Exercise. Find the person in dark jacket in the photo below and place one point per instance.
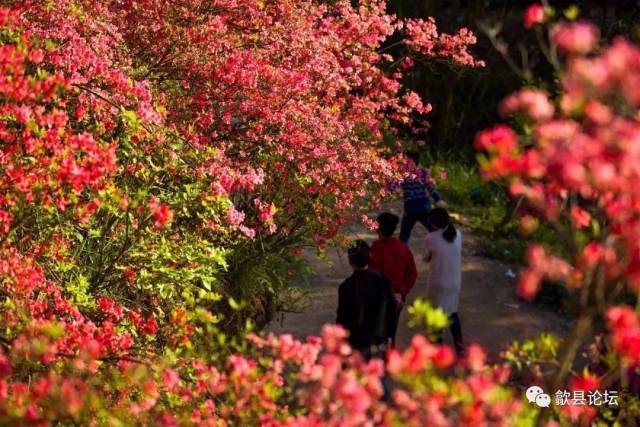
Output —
(366, 305)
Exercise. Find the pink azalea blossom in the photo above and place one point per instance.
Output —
(576, 38)
(533, 15)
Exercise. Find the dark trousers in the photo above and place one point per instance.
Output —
(409, 220)
(456, 333)
(395, 330)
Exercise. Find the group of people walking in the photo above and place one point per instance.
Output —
(371, 299)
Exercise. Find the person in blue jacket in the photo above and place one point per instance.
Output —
(418, 190)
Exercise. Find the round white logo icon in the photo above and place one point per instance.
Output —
(536, 395)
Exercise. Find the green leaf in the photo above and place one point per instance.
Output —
(572, 12)
(234, 304)
(129, 117)
(53, 330)
(95, 232)
(423, 314)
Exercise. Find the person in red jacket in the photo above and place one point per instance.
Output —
(393, 258)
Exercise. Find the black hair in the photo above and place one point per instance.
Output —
(440, 219)
(413, 155)
(387, 223)
(359, 254)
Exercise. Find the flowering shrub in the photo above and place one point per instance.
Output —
(276, 381)
(573, 160)
(180, 151)
(151, 152)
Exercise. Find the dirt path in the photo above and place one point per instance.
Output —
(489, 309)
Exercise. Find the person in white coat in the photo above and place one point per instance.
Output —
(443, 252)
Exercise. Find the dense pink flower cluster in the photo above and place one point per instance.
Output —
(293, 95)
(625, 329)
(331, 385)
(131, 133)
(423, 37)
(588, 149)
(141, 137)
(574, 161)
(42, 156)
(371, 224)
(581, 160)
